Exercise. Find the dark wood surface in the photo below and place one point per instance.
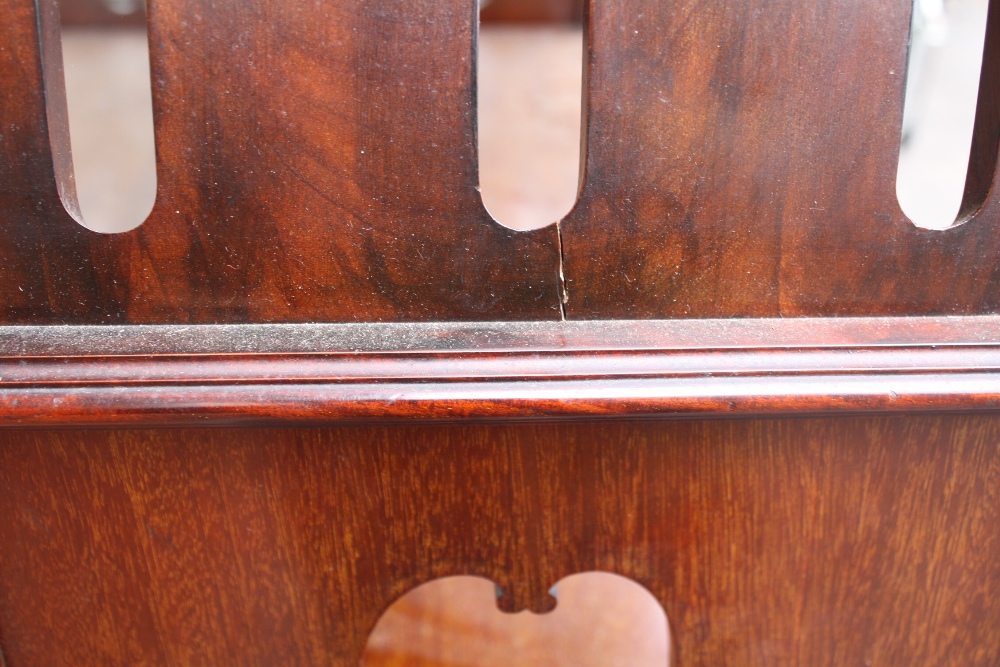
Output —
(317, 164)
(325, 175)
(96, 13)
(742, 161)
(534, 11)
(769, 543)
(322, 167)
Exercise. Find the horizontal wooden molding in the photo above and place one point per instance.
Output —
(541, 370)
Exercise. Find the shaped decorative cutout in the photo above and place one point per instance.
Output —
(529, 85)
(938, 182)
(110, 114)
(602, 620)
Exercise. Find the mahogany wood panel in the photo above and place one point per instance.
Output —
(775, 542)
(316, 162)
(741, 161)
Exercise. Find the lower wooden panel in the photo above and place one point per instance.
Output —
(836, 541)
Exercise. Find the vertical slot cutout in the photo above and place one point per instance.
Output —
(110, 119)
(530, 80)
(951, 105)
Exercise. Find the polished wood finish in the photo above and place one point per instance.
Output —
(349, 373)
(815, 490)
(91, 13)
(351, 214)
(742, 162)
(744, 167)
(534, 11)
(777, 542)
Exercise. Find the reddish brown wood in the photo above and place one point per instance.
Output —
(291, 192)
(985, 144)
(741, 161)
(770, 543)
(534, 11)
(309, 404)
(191, 375)
(96, 13)
(317, 164)
(91, 13)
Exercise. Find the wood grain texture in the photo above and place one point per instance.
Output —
(96, 13)
(741, 161)
(776, 542)
(513, 371)
(318, 166)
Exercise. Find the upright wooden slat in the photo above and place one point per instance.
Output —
(316, 162)
(742, 162)
(27, 176)
(31, 213)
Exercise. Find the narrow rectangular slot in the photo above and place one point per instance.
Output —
(949, 108)
(529, 84)
(110, 119)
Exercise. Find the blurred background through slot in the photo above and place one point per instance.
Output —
(106, 64)
(942, 87)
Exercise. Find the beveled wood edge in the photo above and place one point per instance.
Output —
(585, 336)
(323, 374)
